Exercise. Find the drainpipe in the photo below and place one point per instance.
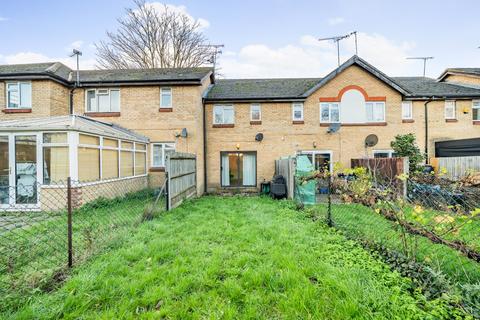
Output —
(204, 146)
(71, 99)
(426, 128)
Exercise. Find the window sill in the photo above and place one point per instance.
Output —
(256, 122)
(298, 122)
(451, 120)
(25, 110)
(157, 169)
(476, 122)
(226, 125)
(367, 124)
(408, 121)
(102, 114)
(165, 110)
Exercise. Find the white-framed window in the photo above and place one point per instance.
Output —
(375, 111)
(407, 110)
(223, 114)
(384, 154)
(450, 109)
(102, 100)
(476, 110)
(255, 112)
(330, 112)
(19, 95)
(160, 151)
(297, 111)
(165, 97)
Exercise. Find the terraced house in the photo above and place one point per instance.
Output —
(120, 124)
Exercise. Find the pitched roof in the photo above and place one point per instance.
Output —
(466, 71)
(428, 87)
(60, 72)
(72, 122)
(261, 89)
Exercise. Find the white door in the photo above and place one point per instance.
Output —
(20, 170)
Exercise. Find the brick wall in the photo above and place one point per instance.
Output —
(465, 79)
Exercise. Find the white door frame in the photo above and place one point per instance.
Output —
(314, 152)
(12, 170)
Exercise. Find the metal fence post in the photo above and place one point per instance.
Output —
(167, 195)
(329, 210)
(69, 222)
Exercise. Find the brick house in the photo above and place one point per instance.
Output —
(224, 117)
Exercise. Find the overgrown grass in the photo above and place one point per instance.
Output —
(231, 258)
(358, 221)
(34, 258)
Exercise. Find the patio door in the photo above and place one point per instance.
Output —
(238, 169)
(20, 160)
(321, 160)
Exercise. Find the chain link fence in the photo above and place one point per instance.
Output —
(47, 229)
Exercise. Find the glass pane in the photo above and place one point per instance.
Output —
(235, 162)
(88, 164)
(127, 145)
(322, 162)
(228, 115)
(157, 155)
(335, 113)
(249, 169)
(26, 169)
(126, 169)
(109, 164)
(114, 100)
(476, 114)
(92, 140)
(140, 146)
(25, 95)
(4, 171)
(140, 158)
(55, 137)
(325, 112)
(369, 107)
(379, 112)
(103, 103)
(91, 100)
(12, 95)
(56, 165)
(381, 155)
(406, 110)
(110, 143)
(166, 98)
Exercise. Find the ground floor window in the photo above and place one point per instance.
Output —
(383, 154)
(160, 150)
(238, 169)
(321, 160)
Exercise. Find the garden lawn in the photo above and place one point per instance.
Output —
(234, 258)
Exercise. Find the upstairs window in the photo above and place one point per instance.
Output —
(19, 95)
(450, 110)
(160, 152)
(476, 110)
(407, 111)
(297, 111)
(255, 112)
(329, 112)
(103, 100)
(223, 114)
(375, 111)
(166, 98)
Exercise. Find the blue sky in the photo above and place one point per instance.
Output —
(264, 38)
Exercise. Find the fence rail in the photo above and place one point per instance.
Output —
(181, 175)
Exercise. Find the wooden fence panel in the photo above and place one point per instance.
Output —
(181, 177)
(286, 168)
(457, 167)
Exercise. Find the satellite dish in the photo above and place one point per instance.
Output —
(371, 140)
(259, 137)
(334, 127)
(184, 133)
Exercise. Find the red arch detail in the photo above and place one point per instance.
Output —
(352, 87)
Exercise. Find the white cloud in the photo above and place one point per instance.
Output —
(35, 57)
(311, 58)
(160, 7)
(335, 21)
(75, 45)
(3, 19)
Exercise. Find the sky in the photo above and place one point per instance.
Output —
(275, 38)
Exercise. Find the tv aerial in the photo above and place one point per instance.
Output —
(337, 40)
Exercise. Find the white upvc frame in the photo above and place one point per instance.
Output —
(223, 107)
(409, 105)
(256, 105)
(57, 144)
(152, 144)
(296, 105)
(161, 97)
(387, 151)
(109, 97)
(374, 105)
(314, 152)
(18, 83)
(452, 104)
(330, 106)
(476, 105)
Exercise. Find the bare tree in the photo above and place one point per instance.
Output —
(149, 38)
